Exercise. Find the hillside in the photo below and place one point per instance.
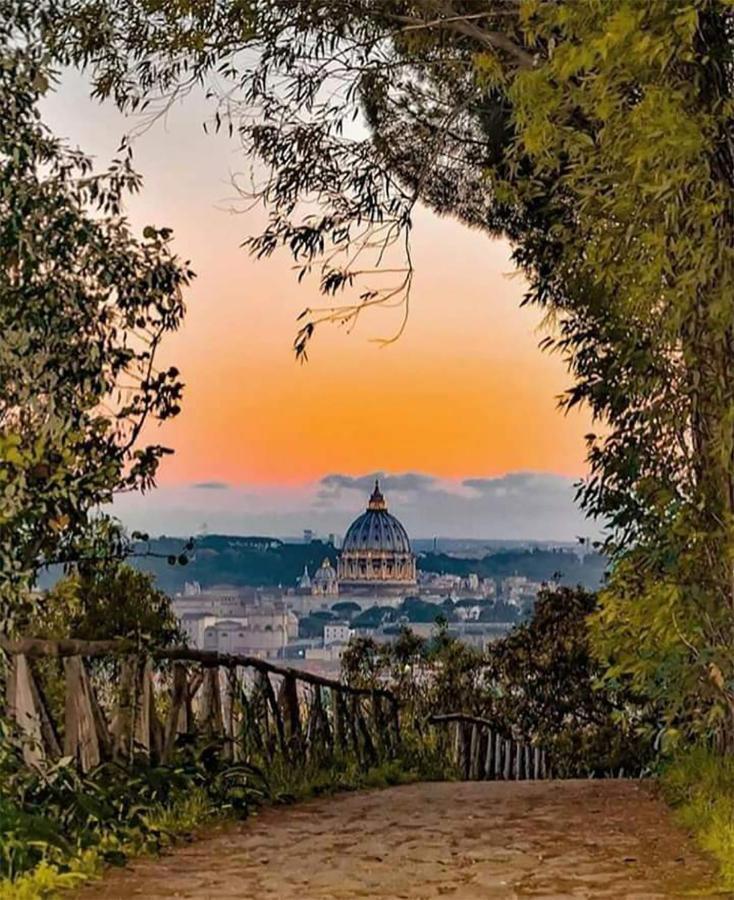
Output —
(537, 564)
(250, 562)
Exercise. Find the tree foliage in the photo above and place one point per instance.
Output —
(427, 675)
(546, 684)
(540, 683)
(84, 307)
(104, 603)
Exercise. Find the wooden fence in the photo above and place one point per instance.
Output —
(481, 753)
(162, 699)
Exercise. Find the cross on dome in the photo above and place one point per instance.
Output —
(377, 501)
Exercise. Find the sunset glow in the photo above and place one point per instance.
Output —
(464, 392)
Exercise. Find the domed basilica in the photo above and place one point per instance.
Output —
(376, 555)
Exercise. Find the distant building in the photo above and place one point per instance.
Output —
(264, 632)
(520, 591)
(376, 555)
(304, 582)
(488, 587)
(235, 621)
(336, 634)
(472, 582)
(440, 582)
(325, 582)
(215, 602)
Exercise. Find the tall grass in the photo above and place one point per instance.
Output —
(419, 760)
(699, 784)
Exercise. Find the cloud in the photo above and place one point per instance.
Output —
(211, 486)
(408, 482)
(520, 483)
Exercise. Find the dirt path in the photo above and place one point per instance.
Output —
(464, 841)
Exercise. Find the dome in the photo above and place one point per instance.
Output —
(325, 579)
(326, 574)
(376, 530)
(376, 552)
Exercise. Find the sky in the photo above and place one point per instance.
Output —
(461, 411)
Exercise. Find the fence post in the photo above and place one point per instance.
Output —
(233, 747)
(256, 719)
(370, 753)
(381, 726)
(340, 720)
(269, 693)
(488, 757)
(178, 718)
(353, 729)
(123, 721)
(27, 707)
(474, 748)
(155, 725)
(457, 744)
(81, 738)
(291, 712)
(318, 734)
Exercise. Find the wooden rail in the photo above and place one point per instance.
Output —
(482, 753)
(38, 648)
(253, 709)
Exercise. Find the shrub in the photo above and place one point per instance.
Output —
(58, 826)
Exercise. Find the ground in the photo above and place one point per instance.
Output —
(463, 840)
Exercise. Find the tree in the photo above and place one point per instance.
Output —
(312, 626)
(374, 616)
(104, 603)
(346, 608)
(545, 684)
(498, 612)
(418, 610)
(596, 136)
(84, 307)
(428, 676)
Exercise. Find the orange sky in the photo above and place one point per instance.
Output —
(465, 391)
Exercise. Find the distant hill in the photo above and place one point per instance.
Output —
(234, 561)
(471, 548)
(267, 562)
(537, 564)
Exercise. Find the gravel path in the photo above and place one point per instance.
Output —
(464, 840)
